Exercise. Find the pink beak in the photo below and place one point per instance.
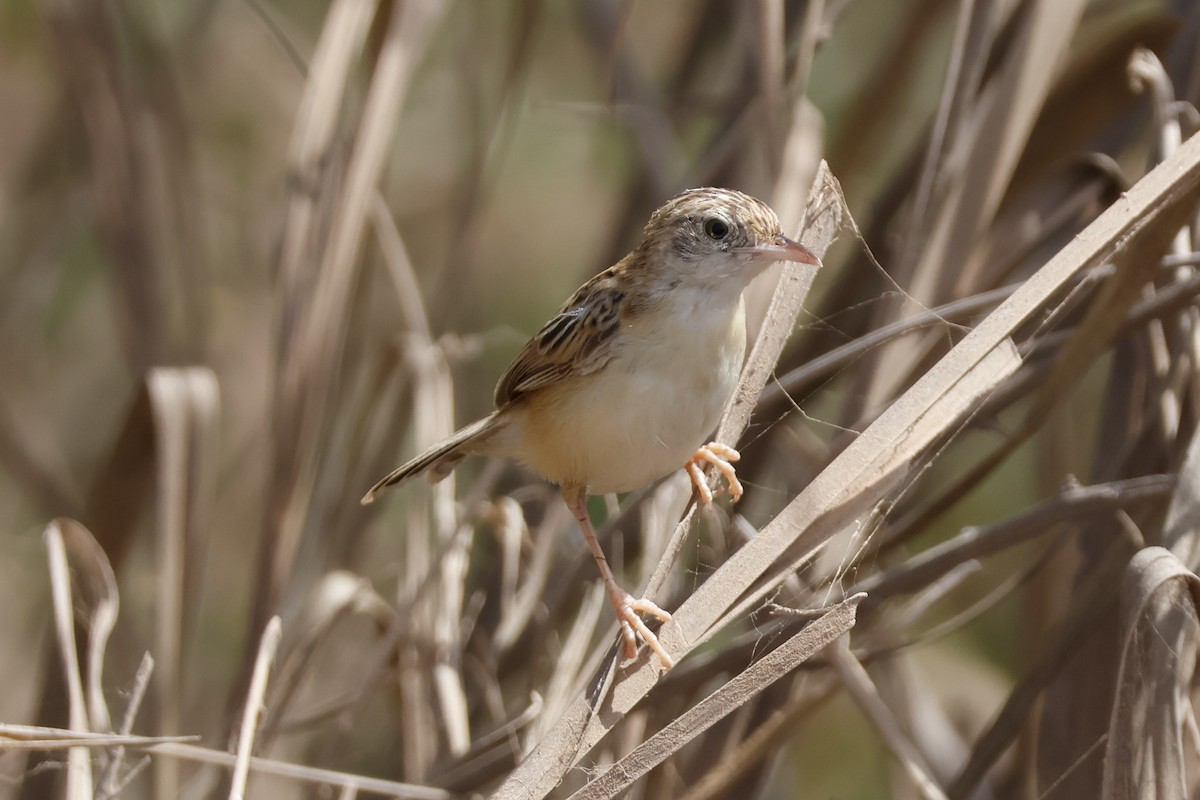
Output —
(786, 250)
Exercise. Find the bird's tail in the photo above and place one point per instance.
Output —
(439, 460)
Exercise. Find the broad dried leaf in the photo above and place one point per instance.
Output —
(1145, 755)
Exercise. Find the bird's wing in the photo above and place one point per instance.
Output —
(578, 340)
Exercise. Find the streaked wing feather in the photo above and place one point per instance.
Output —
(576, 341)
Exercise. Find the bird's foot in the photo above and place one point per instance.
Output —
(722, 457)
(632, 626)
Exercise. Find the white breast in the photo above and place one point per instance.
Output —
(645, 414)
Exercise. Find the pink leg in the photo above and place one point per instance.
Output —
(626, 606)
(720, 456)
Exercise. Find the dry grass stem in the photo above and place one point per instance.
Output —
(302, 773)
(79, 765)
(33, 737)
(254, 705)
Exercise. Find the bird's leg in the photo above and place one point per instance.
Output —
(626, 606)
(722, 457)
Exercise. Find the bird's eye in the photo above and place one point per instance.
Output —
(716, 228)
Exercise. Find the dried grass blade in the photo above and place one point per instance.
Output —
(958, 84)
(453, 706)
(1004, 117)
(184, 404)
(79, 765)
(1073, 504)
(511, 531)
(769, 31)
(1160, 641)
(97, 599)
(255, 702)
(414, 319)
(531, 594)
(563, 683)
(109, 785)
(758, 676)
(342, 36)
(30, 737)
(300, 772)
(433, 410)
(169, 407)
(307, 379)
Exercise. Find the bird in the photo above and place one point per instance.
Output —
(628, 379)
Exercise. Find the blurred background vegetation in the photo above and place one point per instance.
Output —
(242, 278)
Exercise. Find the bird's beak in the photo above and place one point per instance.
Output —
(784, 250)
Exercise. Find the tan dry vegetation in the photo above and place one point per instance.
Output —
(253, 255)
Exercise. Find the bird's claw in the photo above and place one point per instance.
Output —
(721, 456)
(632, 626)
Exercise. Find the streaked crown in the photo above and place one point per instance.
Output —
(700, 222)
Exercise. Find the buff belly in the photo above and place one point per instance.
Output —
(638, 419)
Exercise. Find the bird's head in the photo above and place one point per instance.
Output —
(719, 236)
